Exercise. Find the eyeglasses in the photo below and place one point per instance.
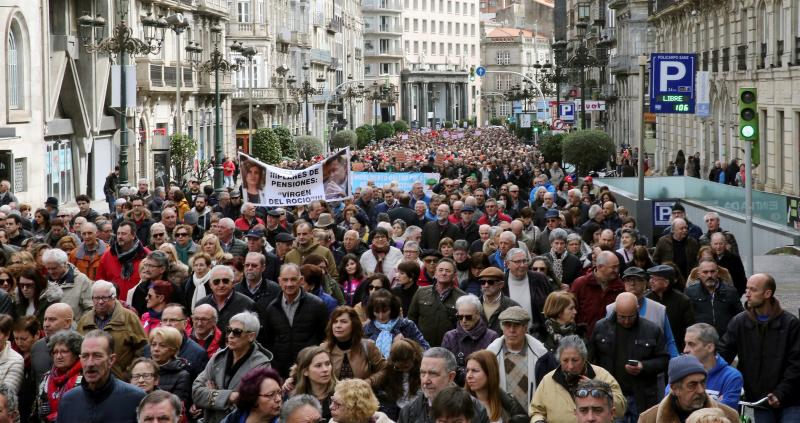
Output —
(142, 376)
(103, 298)
(466, 317)
(488, 281)
(216, 282)
(236, 332)
(201, 319)
(5, 280)
(521, 261)
(539, 269)
(374, 287)
(61, 352)
(272, 395)
(160, 234)
(171, 321)
(181, 234)
(594, 392)
(430, 260)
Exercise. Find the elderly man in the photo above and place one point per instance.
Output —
(120, 264)
(437, 372)
(505, 242)
(434, 231)
(351, 244)
(594, 402)
(712, 224)
(248, 219)
(230, 244)
(431, 305)
(292, 321)
(677, 247)
(517, 354)
(174, 315)
(724, 383)
(494, 302)
(634, 350)
(529, 289)
(77, 288)
(169, 217)
(467, 225)
(307, 245)
(224, 298)
(103, 397)
(679, 212)
(677, 304)
(552, 401)
(493, 216)
(204, 329)
(57, 317)
(273, 226)
(593, 292)
(553, 222)
(110, 316)
(687, 381)
(566, 266)
(301, 409)
(713, 301)
(729, 260)
(484, 232)
(159, 406)
(548, 204)
(255, 286)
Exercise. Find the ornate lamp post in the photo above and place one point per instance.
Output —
(215, 65)
(306, 89)
(119, 46)
(350, 94)
(248, 53)
(582, 60)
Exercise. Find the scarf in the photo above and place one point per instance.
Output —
(199, 288)
(556, 331)
(58, 384)
(126, 258)
(558, 265)
(384, 341)
(379, 254)
(183, 252)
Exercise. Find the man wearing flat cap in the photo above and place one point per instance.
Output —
(494, 301)
(273, 226)
(678, 305)
(687, 382)
(517, 353)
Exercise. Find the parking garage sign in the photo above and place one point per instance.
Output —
(672, 83)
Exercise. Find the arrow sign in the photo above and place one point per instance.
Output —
(480, 71)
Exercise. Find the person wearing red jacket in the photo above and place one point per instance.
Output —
(593, 292)
(228, 168)
(493, 216)
(120, 263)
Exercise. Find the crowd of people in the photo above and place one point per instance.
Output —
(508, 292)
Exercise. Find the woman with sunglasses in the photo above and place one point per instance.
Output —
(386, 326)
(471, 333)
(483, 383)
(186, 248)
(260, 398)
(214, 390)
(313, 375)
(354, 401)
(35, 293)
(542, 264)
(8, 283)
(352, 355)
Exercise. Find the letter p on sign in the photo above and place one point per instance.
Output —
(670, 71)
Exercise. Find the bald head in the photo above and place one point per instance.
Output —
(627, 309)
(57, 317)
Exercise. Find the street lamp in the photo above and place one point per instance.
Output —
(351, 94)
(119, 46)
(215, 65)
(581, 60)
(305, 89)
(177, 24)
(248, 53)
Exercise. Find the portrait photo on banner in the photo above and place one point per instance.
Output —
(336, 175)
(254, 179)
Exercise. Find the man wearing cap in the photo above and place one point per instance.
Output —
(679, 212)
(430, 258)
(257, 244)
(517, 353)
(687, 381)
(193, 190)
(494, 302)
(553, 222)
(468, 226)
(677, 247)
(634, 350)
(307, 245)
(635, 280)
(273, 226)
(677, 304)
(283, 244)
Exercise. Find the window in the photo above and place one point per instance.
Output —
(416, 47)
(441, 48)
(407, 46)
(449, 49)
(472, 9)
(243, 9)
(15, 72)
(458, 7)
(433, 27)
(433, 48)
(425, 25)
(458, 31)
(503, 57)
(441, 27)
(416, 25)
(262, 16)
(386, 68)
(472, 30)
(441, 6)
(58, 168)
(405, 25)
(367, 69)
(449, 28)
(472, 50)
(584, 10)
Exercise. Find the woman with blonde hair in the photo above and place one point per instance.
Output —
(313, 375)
(483, 383)
(178, 272)
(354, 402)
(174, 376)
(211, 246)
(708, 415)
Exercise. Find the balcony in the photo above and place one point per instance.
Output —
(320, 56)
(317, 18)
(160, 78)
(205, 83)
(617, 4)
(381, 6)
(260, 96)
(335, 63)
(300, 39)
(285, 36)
(609, 35)
(246, 29)
(334, 25)
(383, 29)
(623, 64)
(385, 52)
(215, 7)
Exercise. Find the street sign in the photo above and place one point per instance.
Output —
(662, 211)
(558, 124)
(672, 84)
(591, 105)
(525, 120)
(480, 71)
(566, 111)
(516, 107)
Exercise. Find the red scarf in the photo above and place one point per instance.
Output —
(380, 254)
(58, 384)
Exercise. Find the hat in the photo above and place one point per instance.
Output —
(663, 270)
(51, 201)
(461, 245)
(284, 237)
(193, 179)
(552, 214)
(492, 272)
(281, 210)
(236, 194)
(255, 233)
(273, 213)
(324, 221)
(684, 365)
(431, 253)
(634, 272)
(118, 201)
(190, 218)
(678, 207)
(515, 314)
(468, 209)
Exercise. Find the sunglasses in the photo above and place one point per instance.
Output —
(594, 392)
(489, 281)
(373, 287)
(236, 332)
(216, 282)
(5, 280)
(430, 260)
(466, 317)
(158, 235)
(182, 234)
(539, 269)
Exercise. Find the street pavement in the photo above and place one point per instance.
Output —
(784, 268)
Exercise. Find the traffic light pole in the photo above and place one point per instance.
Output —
(748, 203)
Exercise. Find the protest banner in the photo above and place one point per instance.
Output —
(403, 180)
(271, 186)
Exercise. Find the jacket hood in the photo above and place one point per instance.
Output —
(776, 311)
(175, 365)
(309, 249)
(719, 367)
(53, 293)
(129, 214)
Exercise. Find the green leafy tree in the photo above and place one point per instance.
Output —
(288, 149)
(266, 146)
(448, 124)
(495, 121)
(182, 152)
(345, 138)
(400, 126)
(550, 146)
(587, 150)
(384, 130)
(307, 147)
(365, 134)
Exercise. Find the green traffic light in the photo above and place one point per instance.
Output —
(748, 131)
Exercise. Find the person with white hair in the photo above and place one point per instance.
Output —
(471, 333)
(76, 286)
(226, 300)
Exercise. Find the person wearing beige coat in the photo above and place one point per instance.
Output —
(554, 404)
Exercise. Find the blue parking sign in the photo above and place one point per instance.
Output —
(672, 82)
(566, 111)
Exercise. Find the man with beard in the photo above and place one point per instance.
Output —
(713, 301)
(687, 381)
(203, 213)
(255, 286)
(120, 263)
(307, 245)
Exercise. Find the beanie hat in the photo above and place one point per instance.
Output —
(684, 365)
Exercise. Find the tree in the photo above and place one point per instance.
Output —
(307, 147)
(550, 146)
(587, 150)
(266, 146)
(288, 149)
(182, 152)
(400, 126)
(365, 134)
(345, 138)
(384, 130)
(495, 121)
(448, 124)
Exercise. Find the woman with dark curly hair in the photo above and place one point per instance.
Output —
(259, 398)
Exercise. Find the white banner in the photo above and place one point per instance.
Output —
(271, 186)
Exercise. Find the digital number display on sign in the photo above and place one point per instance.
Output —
(672, 83)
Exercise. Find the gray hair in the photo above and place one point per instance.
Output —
(214, 314)
(297, 402)
(87, 226)
(573, 237)
(469, 299)
(575, 192)
(706, 333)
(285, 266)
(142, 181)
(55, 255)
(226, 222)
(157, 397)
(575, 342)
(711, 215)
(676, 221)
(11, 397)
(508, 234)
(248, 320)
(223, 268)
(101, 284)
(604, 257)
(558, 234)
(70, 338)
(156, 226)
(411, 244)
(412, 230)
(594, 210)
(514, 251)
(450, 364)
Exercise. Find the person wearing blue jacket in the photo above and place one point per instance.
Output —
(724, 382)
(386, 324)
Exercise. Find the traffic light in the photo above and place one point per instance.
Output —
(748, 120)
(472, 73)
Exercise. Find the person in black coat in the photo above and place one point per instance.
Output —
(678, 305)
(468, 226)
(223, 298)
(433, 232)
(729, 260)
(404, 212)
(285, 334)
(713, 301)
(566, 266)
